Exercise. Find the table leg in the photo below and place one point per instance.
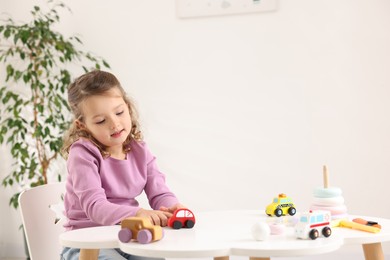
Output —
(373, 251)
(259, 258)
(89, 254)
(221, 258)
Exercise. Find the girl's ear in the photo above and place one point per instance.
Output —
(79, 124)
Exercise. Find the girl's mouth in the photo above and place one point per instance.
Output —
(117, 134)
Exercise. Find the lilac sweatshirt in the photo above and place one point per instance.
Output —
(102, 191)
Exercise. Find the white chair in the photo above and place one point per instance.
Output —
(40, 221)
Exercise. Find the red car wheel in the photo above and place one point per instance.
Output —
(177, 225)
(190, 224)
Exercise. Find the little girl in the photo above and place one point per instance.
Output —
(108, 163)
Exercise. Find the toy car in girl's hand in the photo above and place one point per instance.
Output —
(140, 229)
(182, 218)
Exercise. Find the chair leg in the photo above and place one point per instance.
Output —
(89, 254)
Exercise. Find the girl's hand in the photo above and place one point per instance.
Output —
(172, 208)
(157, 217)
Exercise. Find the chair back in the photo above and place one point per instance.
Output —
(40, 222)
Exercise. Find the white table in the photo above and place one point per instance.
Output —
(223, 233)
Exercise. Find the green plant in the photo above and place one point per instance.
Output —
(34, 113)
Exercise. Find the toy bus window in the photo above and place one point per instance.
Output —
(303, 219)
(275, 200)
(312, 219)
(320, 218)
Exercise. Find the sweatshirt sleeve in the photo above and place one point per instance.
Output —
(156, 188)
(83, 168)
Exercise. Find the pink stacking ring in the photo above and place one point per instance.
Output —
(276, 229)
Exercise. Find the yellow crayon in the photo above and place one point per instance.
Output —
(354, 225)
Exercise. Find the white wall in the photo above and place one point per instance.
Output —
(240, 108)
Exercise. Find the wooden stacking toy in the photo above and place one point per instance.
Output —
(329, 198)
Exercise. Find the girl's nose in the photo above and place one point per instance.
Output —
(114, 123)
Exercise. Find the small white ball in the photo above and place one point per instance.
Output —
(261, 231)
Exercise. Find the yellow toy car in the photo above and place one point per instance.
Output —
(281, 205)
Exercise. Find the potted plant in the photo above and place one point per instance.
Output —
(34, 113)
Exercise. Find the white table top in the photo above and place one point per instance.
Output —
(223, 233)
(91, 238)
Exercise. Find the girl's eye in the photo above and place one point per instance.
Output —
(119, 113)
(100, 122)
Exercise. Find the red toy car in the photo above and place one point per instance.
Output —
(182, 218)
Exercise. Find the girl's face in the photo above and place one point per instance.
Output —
(107, 118)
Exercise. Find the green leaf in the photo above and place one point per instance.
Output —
(18, 74)
(24, 36)
(47, 131)
(106, 64)
(7, 33)
(14, 200)
(40, 108)
(26, 77)
(10, 70)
